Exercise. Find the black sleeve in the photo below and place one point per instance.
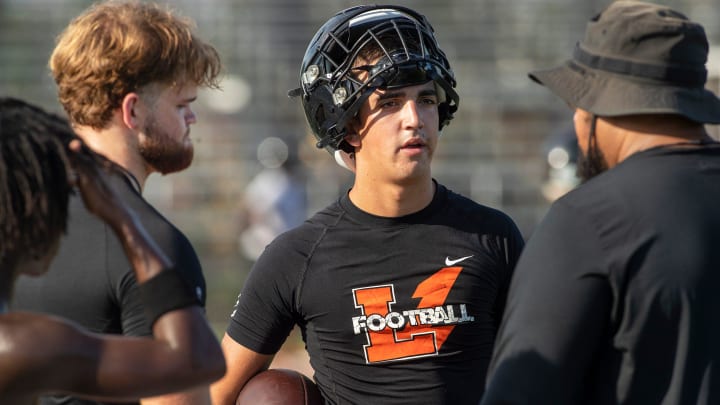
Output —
(557, 315)
(171, 241)
(132, 316)
(263, 316)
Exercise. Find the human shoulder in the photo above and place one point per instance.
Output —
(292, 248)
(465, 209)
(308, 232)
(85, 230)
(601, 197)
(591, 218)
(166, 235)
(631, 176)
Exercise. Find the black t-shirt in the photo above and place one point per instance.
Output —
(392, 310)
(616, 298)
(91, 281)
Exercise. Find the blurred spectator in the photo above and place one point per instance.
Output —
(275, 200)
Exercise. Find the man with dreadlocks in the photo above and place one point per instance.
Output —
(40, 161)
(399, 286)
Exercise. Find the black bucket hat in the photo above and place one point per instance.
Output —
(637, 58)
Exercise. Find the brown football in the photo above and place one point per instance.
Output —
(280, 386)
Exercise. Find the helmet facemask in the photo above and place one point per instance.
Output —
(363, 49)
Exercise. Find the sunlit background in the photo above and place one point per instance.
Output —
(510, 145)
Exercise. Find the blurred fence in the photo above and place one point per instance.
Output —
(493, 151)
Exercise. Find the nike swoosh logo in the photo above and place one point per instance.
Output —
(449, 262)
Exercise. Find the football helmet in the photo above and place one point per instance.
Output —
(331, 90)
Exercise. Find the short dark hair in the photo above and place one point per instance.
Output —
(34, 186)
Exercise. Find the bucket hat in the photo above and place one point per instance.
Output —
(637, 58)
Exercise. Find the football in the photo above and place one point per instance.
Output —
(279, 386)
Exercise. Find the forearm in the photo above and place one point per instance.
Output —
(242, 364)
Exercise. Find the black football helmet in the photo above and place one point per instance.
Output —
(332, 94)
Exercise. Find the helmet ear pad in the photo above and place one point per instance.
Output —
(445, 113)
(325, 114)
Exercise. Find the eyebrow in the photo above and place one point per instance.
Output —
(396, 94)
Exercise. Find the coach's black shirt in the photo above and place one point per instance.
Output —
(616, 298)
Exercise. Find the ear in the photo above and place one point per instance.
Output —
(353, 137)
(582, 121)
(129, 109)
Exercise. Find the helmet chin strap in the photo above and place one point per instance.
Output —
(345, 160)
(592, 137)
(338, 128)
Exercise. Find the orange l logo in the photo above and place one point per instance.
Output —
(418, 338)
